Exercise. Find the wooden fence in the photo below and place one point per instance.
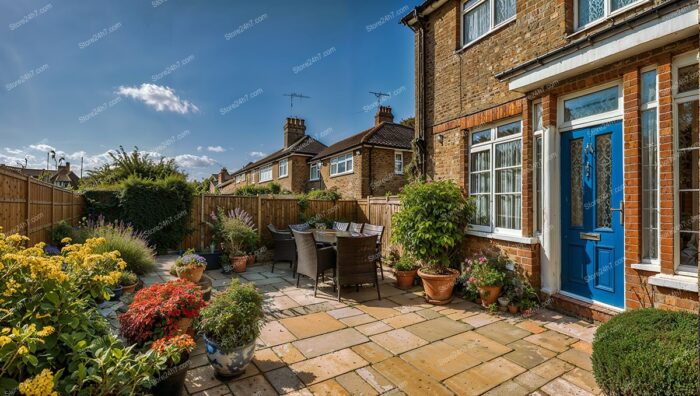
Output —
(282, 211)
(31, 207)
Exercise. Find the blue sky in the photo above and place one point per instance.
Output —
(199, 81)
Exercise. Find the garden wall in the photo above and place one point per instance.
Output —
(31, 207)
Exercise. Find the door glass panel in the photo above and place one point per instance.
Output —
(594, 103)
(688, 182)
(575, 155)
(603, 174)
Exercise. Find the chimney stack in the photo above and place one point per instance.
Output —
(384, 114)
(223, 174)
(294, 129)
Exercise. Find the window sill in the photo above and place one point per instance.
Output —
(317, 179)
(504, 237)
(647, 267)
(283, 177)
(677, 282)
(342, 174)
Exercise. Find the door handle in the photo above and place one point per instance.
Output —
(621, 209)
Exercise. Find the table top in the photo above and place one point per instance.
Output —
(331, 236)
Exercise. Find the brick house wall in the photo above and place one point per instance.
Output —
(384, 179)
(349, 185)
(462, 93)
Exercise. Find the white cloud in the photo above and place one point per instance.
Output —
(13, 151)
(216, 149)
(159, 97)
(258, 154)
(199, 148)
(194, 161)
(41, 147)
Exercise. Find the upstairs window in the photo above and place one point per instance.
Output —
(589, 11)
(265, 174)
(398, 163)
(315, 173)
(283, 168)
(341, 164)
(479, 17)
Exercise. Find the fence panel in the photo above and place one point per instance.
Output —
(379, 211)
(31, 207)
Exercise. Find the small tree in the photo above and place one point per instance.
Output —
(431, 222)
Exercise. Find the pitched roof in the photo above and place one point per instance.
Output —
(386, 134)
(48, 175)
(305, 146)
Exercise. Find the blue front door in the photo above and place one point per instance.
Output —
(592, 244)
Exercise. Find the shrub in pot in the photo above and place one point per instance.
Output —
(173, 355)
(128, 281)
(162, 309)
(647, 352)
(230, 325)
(488, 274)
(190, 266)
(405, 270)
(429, 226)
(239, 240)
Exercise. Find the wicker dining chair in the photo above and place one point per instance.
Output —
(356, 262)
(300, 227)
(378, 231)
(338, 226)
(312, 261)
(356, 227)
(285, 249)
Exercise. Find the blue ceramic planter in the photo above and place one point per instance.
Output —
(229, 363)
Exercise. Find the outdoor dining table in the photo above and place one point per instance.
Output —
(330, 237)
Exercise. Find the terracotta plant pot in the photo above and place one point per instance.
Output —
(184, 324)
(129, 289)
(438, 288)
(513, 309)
(250, 259)
(239, 263)
(489, 294)
(192, 274)
(404, 279)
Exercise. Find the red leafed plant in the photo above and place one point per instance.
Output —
(156, 309)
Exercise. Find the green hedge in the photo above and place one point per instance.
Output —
(647, 352)
(253, 190)
(159, 209)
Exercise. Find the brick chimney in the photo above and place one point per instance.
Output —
(294, 129)
(64, 169)
(223, 174)
(383, 115)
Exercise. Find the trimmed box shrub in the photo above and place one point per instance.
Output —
(647, 352)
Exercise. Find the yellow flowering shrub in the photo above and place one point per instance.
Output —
(50, 326)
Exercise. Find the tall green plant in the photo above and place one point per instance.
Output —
(431, 222)
(125, 165)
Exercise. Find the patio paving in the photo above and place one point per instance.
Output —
(399, 345)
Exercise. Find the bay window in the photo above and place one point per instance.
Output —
(341, 164)
(495, 182)
(588, 11)
(283, 168)
(650, 171)
(479, 17)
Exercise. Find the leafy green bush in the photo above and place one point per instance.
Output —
(647, 352)
(405, 263)
(233, 318)
(159, 209)
(135, 164)
(254, 190)
(431, 222)
(239, 239)
(134, 250)
(102, 202)
(60, 231)
(330, 195)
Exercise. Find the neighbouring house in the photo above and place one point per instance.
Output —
(574, 124)
(62, 177)
(372, 162)
(287, 166)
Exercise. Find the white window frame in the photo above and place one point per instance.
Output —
(317, 166)
(280, 166)
(490, 146)
(680, 61)
(347, 158)
(595, 119)
(537, 200)
(644, 107)
(262, 173)
(240, 178)
(492, 20)
(607, 13)
(398, 162)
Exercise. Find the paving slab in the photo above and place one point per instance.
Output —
(437, 329)
(552, 368)
(575, 330)
(484, 377)
(288, 353)
(377, 381)
(509, 388)
(551, 340)
(380, 309)
(353, 321)
(344, 312)
(477, 346)
(428, 314)
(267, 359)
(273, 333)
(329, 342)
(503, 332)
(328, 388)
(354, 384)
(256, 385)
(284, 380)
(221, 390)
(577, 358)
(373, 328)
(527, 354)
(561, 386)
(440, 360)
(531, 326)
(324, 367)
(409, 379)
(200, 379)
(398, 341)
(372, 352)
(312, 325)
(481, 319)
(404, 320)
(583, 379)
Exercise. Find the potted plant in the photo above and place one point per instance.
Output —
(230, 325)
(430, 226)
(173, 354)
(190, 266)
(489, 275)
(405, 270)
(128, 281)
(239, 240)
(162, 309)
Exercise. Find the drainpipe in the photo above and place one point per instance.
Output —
(419, 141)
(371, 190)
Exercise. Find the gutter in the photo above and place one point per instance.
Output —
(587, 41)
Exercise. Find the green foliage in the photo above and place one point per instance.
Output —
(60, 231)
(233, 319)
(329, 195)
(132, 246)
(125, 165)
(431, 222)
(159, 209)
(254, 190)
(406, 263)
(102, 202)
(647, 352)
(239, 239)
(128, 278)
